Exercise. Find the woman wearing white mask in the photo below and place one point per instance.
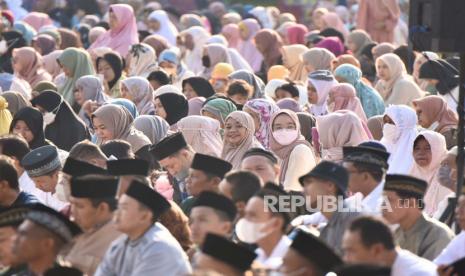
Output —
(296, 154)
(399, 134)
(63, 127)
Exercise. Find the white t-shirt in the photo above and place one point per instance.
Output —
(454, 251)
(275, 259)
(409, 264)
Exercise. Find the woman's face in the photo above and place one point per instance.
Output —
(113, 20)
(318, 20)
(351, 45)
(159, 109)
(383, 71)
(282, 94)
(243, 32)
(422, 152)
(423, 120)
(417, 65)
(105, 69)
(23, 130)
(283, 121)
(234, 132)
(254, 115)
(102, 132)
(169, 67)
(125, 92)
(189, 92)
(311, 93)
(79, 95)
(153, 25)
(388, 120)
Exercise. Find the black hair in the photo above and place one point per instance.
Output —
(8, 173)
(86, 150)
(110, 201)
(373, 231)
(276, 192)
(375, 171)
(333, 32)
(240, 87)
(407, 56)
(201, 86)
(118, 148)
(244, 185)
(14, 146)
(159, 76)
(291, 88)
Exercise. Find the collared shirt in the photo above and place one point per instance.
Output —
(27, 185)
(408, 264)
(426, 238)
(454, 251)
(275, 259)
(155, 253)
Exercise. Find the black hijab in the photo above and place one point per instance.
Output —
(14, 39)
(116, 63)
(444, 72)
(67, 129)
(201, 86)
(34, 121)
(175, 105)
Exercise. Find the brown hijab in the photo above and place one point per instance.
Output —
(436, 110)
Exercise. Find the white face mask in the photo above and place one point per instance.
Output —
(3, 47)
(390, 132)
(250, 232)
(49, 118)
(285, 136)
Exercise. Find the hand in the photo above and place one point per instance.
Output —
(445, 270)
(297, 221)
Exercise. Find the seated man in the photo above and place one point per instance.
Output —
(240, 186)
(147, 246)
(262, 162)
(224, 257)
(88, 152)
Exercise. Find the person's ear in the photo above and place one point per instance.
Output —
(3, 185)
(226, 227)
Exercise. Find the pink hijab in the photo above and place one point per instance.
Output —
(344, 97)
(51, 64)
(296, 34)
(247, 48)
(333, 20)
(195, 106)
(37, 20)
(202, 133)
(284, 152)
(231, 32)
(32, 69)
(124, 35)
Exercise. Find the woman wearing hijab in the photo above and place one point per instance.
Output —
(319, 84)
(290, 146)
(63, 127)
(379, 18)
(375, 125)
(37, 20)
(51, 64)
(421, 59)
(399, 133)
(332, 20)
(343, 97)
(28, 123)
(395, 85)
(332, 44)
(75, 64)
(44, 44)
(14, 39)
(252, 80)
(88, 88)
(111, 66)
(338, 130)
(381, 49)
(113, 122)
(261, 110)
(190, 20)
(248, 28)
(15, 100)
(172, 107)
(218, 109)
(161, 25)
(356, 41)
(194, 40)
(307, 122)
(318, 59)
(232, 34)
(370, 99)
(5, 116)
(139, 91)
(203, 134)
(69, 38)
(158, 43)
(195, 106)
(239, 137)
(213, 54)
(27, 65)
(434, 114)
(444, 77)
(171, 62)
(197, 87)
(296, 34)
(123, 30)
(346, 59)
(269, 43)
(429, 150)
(154, 127)
(129, 105)
(142, 60)
(26, 30)
(292, 61)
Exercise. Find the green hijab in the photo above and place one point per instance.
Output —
(220, 108)
(80, 64)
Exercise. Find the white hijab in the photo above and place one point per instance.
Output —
(167, 28)
(193, 58)
(322, 89)
(400, 147)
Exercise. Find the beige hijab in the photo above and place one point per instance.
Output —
(233, 154)
(293, 62)
(202, 133)
(120, 122)
(318, 58)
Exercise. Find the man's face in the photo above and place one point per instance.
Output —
(295, 264)
(204, 220)
(129, 215)
(176, 165)
(315, 188)
(84, 213)
(46, 183)
(460, 212)
(398, 207)
(7, 258)
(28, 242)
(356, 178)
(354, 250)
(261, 167)
(198, 182)
(205, 262)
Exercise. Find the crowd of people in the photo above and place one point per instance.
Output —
(225, 140)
